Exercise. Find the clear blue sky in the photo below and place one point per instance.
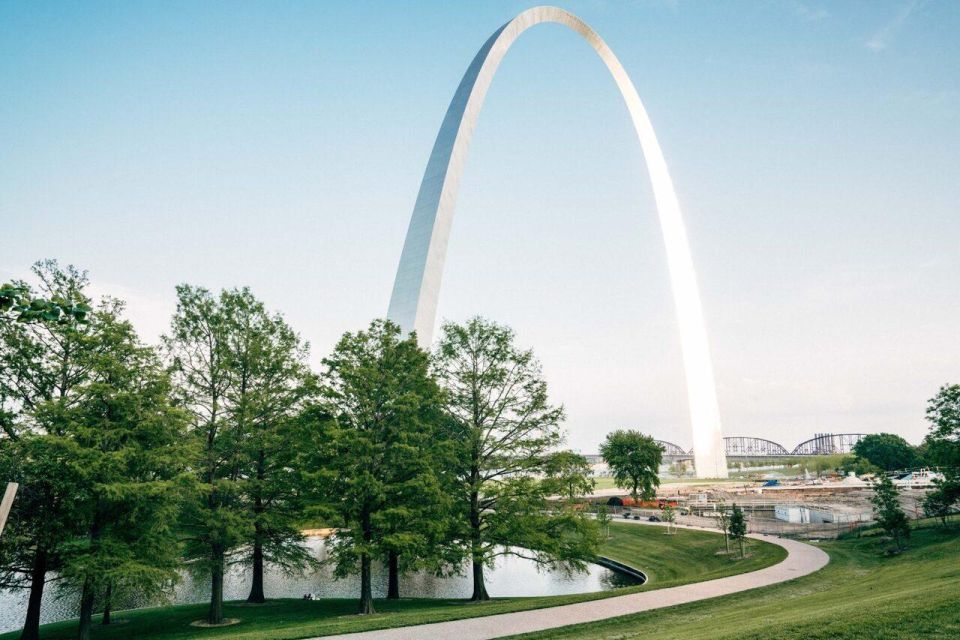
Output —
(815, 148)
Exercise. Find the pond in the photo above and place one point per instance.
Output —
(511, 577)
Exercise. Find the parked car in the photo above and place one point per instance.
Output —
(653, 519)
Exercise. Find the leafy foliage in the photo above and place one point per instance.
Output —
(634, 460)
(569, 474)
(738, 526)
(382, 484)
(886, 508)
(504, 428)
(886, 451)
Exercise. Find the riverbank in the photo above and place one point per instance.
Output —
(689, 556)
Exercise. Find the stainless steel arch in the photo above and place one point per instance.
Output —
(413, 304)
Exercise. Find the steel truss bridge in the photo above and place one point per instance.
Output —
(747, 447)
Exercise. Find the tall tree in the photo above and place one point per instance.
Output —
(889, 513)
(505, 428)
(943, 414)
(569, 472)
(942, 446)
(634, 460)
(131, 447)
(738, 526)
(270, 384)
(218, 520)
(723, 521)
(42, 364)
(385, 404)
(887, 451)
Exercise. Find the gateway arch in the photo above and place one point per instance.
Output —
(413, 304)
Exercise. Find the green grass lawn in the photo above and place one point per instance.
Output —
(687, 556)
(862, 594)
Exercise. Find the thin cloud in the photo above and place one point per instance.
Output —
(881, 39)
(806, 12)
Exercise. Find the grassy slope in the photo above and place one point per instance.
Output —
(861, 594)
(688, 556)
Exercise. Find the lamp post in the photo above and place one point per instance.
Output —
(7, 503)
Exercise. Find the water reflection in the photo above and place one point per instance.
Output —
(511, 577)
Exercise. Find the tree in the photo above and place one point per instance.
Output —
(569, 473)
(604, 519)
(938, 504)
(270, 384)
(889, 514)
(634, 460)
(670, 517)
(942, 447)
(943, 414)
(723, 521)
(504, 426)
(17, 303)
(738, 526)
(42, 364)
(45, 516)
(131, 447)
(386, 409)
(886, 451)
(217, 520)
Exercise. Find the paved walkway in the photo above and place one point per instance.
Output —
(802, 559)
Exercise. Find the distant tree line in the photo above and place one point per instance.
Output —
(215, 448)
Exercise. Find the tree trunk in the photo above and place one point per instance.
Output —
(86, 611)
(256, 589)
(366, 582)
(479, 588)
(741, 548)
(366, 588)
(107, 603)
(38, 576)
(215, 615)
(476, 539)
(393, 577)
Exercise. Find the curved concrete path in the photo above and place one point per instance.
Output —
(801, 560)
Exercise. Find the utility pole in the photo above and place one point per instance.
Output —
(7, 503)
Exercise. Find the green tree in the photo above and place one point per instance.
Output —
(569, 474)
(45, 518)
(942, 446)
(270, 383)
(217, 520)
(604, 519)
(505, 428)
(634, 460)
(17, 303)
(887, 510)
(670, 517)
(42, 364)
(886, 451)
(738, 526)
(131, 447)
(943, 414)
(938, 504)
(723, 521)
(386, 409)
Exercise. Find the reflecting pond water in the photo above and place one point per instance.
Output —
(511, 576)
